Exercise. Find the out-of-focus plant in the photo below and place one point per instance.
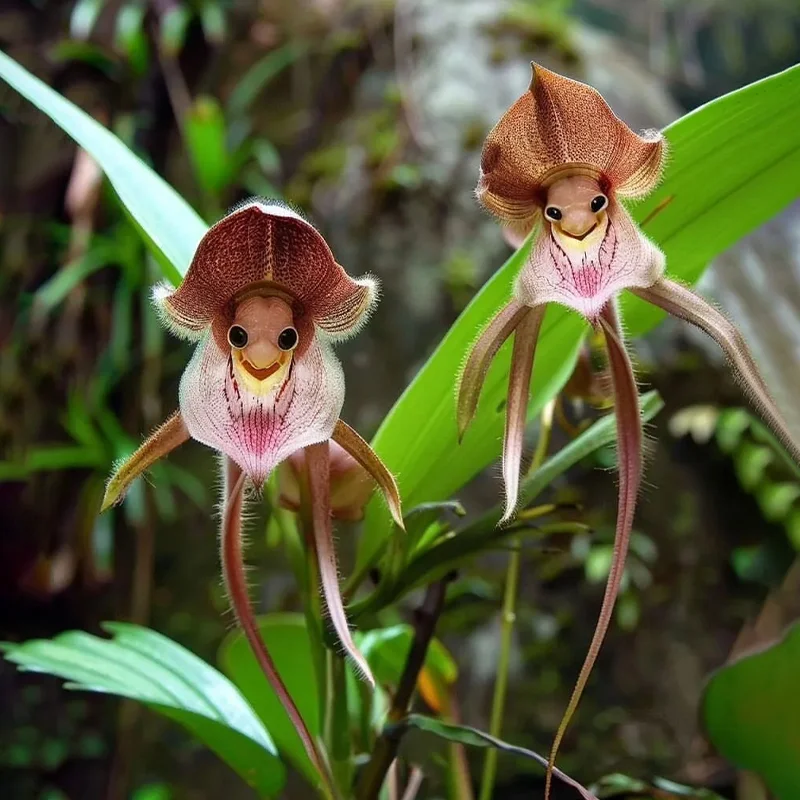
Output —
(762, 466)
(750, 705)
(750, 132)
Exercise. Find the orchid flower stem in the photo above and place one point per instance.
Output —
(509, 618)
(312, 602)
(236, 583)
(388, 743)
(337, 724)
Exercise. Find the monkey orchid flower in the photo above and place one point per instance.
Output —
(561, 161)
(264, 298)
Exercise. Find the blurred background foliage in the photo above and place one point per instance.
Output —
(369, 117)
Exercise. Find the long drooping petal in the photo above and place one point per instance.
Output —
(233, 573)
(171, 434)
(685, 304)
(519, 382)
(260, 431)
(319, 484)
(351, 441)
(629, 459)
(584, 274)
(480, 359)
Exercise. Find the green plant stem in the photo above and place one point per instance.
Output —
(503, 661)
(336, 729)
(425, 619)
(509, 616)
(312, 603)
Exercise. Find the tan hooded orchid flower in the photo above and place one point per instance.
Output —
(561, 161)
(264, 298)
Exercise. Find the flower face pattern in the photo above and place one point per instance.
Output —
(265, 299)
(560, 162)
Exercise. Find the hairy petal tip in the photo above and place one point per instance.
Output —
(351, 442)
(629, 457)
(318, 460)
(685, 304)
(170, 434)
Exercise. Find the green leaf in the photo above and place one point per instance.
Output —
(751, 712)
(173, 25)
(386, 650)
(144, 665)
(54, 291)
(84, 16)
(205, 135)
(431, 564)
(734, 164)
(290, 647)
(625, 786)
(167, 222)
(255, 80)
(473, 737)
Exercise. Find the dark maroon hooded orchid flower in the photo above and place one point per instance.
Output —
(561, 161)
(264, 298)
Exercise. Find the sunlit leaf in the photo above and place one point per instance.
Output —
(144, 665)
(483, 534)
(751, 712)
(289, 645)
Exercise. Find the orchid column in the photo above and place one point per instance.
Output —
(560, 162)
(264, 299)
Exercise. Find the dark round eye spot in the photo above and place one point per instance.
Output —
(237, 337)
(287, 339)
(599, 203)
(552, 212)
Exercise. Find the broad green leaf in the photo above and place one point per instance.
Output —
(289, 645)
(481, 534)
(751, 712)
(734, 163)
(473, 737)
(164, 218)
(144, 665)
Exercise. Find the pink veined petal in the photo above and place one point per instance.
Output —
(629, 458)
(585, 275)
(233, 573)
(258, 432)
(319, 483)
(519, 381)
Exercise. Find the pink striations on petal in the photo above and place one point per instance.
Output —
(258, 432)
(585, 275)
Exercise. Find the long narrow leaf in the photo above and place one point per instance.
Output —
(473, 737)
(169, 223)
